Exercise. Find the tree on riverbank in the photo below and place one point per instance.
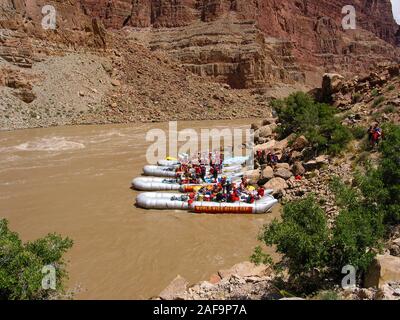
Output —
(23, 266)
(301, 115)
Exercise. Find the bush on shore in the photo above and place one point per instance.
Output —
(21, 265)
(301, 115)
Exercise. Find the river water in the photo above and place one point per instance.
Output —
(76, 181)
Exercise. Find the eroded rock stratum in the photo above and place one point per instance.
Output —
(267, 47)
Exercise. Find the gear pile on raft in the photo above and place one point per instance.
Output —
(212, 185)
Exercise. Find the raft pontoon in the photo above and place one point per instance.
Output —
(172, 201)
(170, 171)
(164, 184)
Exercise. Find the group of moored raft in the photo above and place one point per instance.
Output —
(215, 188)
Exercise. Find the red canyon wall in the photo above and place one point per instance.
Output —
(245, 43)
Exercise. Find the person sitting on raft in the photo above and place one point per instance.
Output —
(203, 172)
(250, 198)
(214, 172)
(244, 183)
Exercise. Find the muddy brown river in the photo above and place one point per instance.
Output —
(76, 181)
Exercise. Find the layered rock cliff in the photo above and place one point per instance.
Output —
(239, 42)
(273, 46)
(310, 30)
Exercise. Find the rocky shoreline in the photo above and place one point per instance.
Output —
(247, 281)
(300, 174)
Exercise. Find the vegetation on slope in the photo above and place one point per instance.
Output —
(21, 265)
(301, 115)
(313, 252)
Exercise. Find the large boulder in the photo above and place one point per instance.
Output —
(331, 83)
(384, 269)
(253, 176)
(300, 143)
(317, 163)
(281, 145)
(268, 173)
(277, 184)
(283, 173)
(269, 121)
(265, 132)
(175, 289)
(270, 145)
(273, 145)
(298, 169)
(25, 95)
(255, 126)
(282, 166)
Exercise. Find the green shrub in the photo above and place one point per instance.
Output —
(363, 158)
(302, 236)
(378, 101)
(377, 116)
(389, 109)
(327, 295)
(375, 92)
(259, 257)
(21, 264)
(312, 252)
(357, 230)
(381, 186)
(300, 114)
(391, 87)
(358, 132)
(356, 97)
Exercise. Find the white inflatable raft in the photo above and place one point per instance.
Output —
(161, 201)
(168, 163)
(170, 171)
(168, 184)
(162, 184)
(236, 161)
(159, 171)
(171, 201)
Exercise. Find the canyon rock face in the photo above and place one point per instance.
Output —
(139, 13)
(229, 51)
(244, 43)
(224, 38)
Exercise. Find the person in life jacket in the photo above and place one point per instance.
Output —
(261, 192)
(203, 172)
(230, 187)
(376, 135)
(370, 134)
(259, 156)
(250, 198)
(244, 183)
(215, 172)
(198, 171)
